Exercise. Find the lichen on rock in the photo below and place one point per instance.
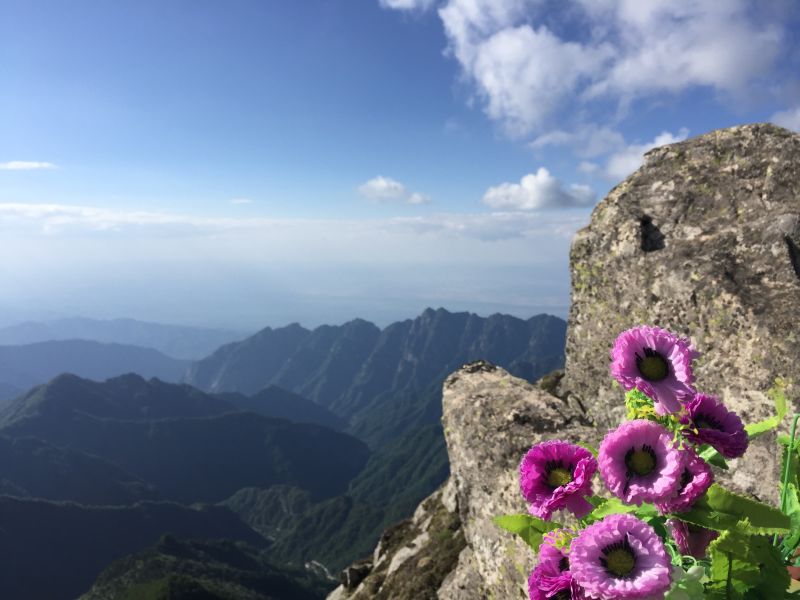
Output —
(696, 242)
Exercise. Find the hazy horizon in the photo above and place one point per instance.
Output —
(263, 162)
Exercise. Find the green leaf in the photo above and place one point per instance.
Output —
(646, 511)
(528, 527)
(712, 457)
(746, 567)
(591, 449)
(612, 506)
(777, 393)
(792, 510)
(723, 510)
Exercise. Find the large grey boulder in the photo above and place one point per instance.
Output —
(702, 240)
(413, 558)
(490, 420)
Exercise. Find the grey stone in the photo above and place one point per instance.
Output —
(700, 241)
(414, 557)
(491, 419)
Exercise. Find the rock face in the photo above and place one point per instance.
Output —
(702, 240)
(412, 558)
(490, 420)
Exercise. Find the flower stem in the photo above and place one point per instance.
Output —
(787, 469)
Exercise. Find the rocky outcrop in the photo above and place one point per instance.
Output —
(703, 240)
(490, 420)
(413, 558)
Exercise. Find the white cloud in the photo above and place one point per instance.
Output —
(788, 118)
(527, 72)
(60, 220)
(671, 45)
(417, 198)
(240, 201)
(625, 162)
(523, 74)
(407, 4)
(536, 191)
(25, 165)
(380, 189)
(588, 140)
(588, 167)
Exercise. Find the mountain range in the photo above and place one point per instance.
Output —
(383, 382)
(312, 440)
(22, 367)
(178, 341)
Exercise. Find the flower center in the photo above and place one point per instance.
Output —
(641, 462)
(563, 564)
(704, 421)
(564, 594)
(557, 473)
(652, 365)
(558, 477)
(686, 479)
(619, 559)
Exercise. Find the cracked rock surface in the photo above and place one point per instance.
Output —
(702, 240)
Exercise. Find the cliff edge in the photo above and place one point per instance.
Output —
(704, 240)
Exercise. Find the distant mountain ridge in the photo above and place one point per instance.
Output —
(55, 550)
(260, 437)
(387, 385)
(188, 445)
(384, 382)
(22, 367)
(178, 341)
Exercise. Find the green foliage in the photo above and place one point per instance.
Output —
(608, 506)
(723, 510)
(687, 585)
(778, 395)
(790, 542)
(712, 456)
(528, 527)
(746, 567)
(641, 406)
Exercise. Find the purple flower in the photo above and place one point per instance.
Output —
(639, 463)
(695, 480)
(551, 579)
(655, 362)
(620, 557)
(556, 475)
(691, 539)
(715, 425)
(552, 554)
(543, 587)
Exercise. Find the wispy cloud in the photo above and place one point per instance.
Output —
(408, 4)
(57, 219)
(382, 189)
(240, 201)
(788, 118)
(25, 165)
(626, 161)
(527, 72)
(536, 191)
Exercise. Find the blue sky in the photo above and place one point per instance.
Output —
(254, 162)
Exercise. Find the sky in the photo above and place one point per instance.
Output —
(244, 163)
